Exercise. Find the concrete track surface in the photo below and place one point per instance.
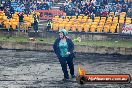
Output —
(32, 69)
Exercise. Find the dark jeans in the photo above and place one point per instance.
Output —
(64, 61)
(35, 26)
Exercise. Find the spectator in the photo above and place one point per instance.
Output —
(35, 24)
(20, 19)
(117, 13)
(70, 12)
(129, 13)
(118, 7)
(124, 8)
(94, 2)
(45, 6)
(105, 2)
(49, 25)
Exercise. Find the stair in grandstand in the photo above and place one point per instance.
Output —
(57, 5)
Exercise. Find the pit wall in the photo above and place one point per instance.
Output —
(78, 48)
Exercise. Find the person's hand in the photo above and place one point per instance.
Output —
(68, 53)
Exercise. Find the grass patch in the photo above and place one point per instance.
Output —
(107, 43)
(123, 43)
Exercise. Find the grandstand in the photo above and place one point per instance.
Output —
(74, 15)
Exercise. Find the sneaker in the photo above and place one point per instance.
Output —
(73, 76)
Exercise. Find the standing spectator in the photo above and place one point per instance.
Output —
(49, 25)
(12, 11)
(35, 24)
(20, 19)
(64, 49)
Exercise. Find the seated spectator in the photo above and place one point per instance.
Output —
(124, 8)
(118, 7)
(86, 12)
(129, 13)
(94, 2)
(117, 13)
(45, 6)
(105, 2)
(70, 12)
(62, 7)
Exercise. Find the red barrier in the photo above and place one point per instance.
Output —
(49, 14)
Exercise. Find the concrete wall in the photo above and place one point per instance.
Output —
(78, 48)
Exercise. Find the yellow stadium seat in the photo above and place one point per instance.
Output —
(66, 20)
(74, 27)
(106, 29)
(84, 20)
(68, 26)
(121, 18)
(60, 20)
(93, 28)
(73, 17)
(68, 17)
(7, 24)
(103, 18)
(61, 26)
(56, 16)
(122, 14)
(115, 21)
(89, 20)
(86, 27)
(112, 29)
(55, 19)
(55, 26)
(80, 17)
(128, 20)
(97, 18)
(80, 27)
(94, 23)
(121, 21)
(85, 17)
(111, 14)
(101, 23)
(99, 29)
